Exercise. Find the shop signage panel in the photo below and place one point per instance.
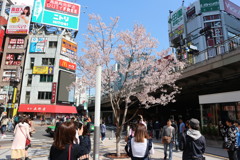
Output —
(57, 13)
(209, 5)
(69, 49)
(38, 45)
(176, 19)
(19, 19)
(42, 70)
(67, 65)
(54, 92)
(16, 43)
(232, 8)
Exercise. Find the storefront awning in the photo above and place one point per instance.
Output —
(46, 108)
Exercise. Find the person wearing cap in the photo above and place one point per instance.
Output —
(231, 140)
(192, 142)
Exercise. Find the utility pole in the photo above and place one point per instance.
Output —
(97, 113)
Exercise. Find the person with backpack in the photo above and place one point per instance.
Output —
(140, 146)
(192, 142)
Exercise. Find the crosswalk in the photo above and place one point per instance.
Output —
(9, 138)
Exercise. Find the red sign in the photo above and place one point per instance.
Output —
(54, 92)
(62, 7)
(67, 65)
(232, 8)
(1, 39)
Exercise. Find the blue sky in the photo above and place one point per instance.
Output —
(153, 14)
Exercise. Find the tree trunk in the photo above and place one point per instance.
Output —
(118, 138)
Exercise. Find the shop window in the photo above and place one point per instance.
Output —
(46, 78)
(29, 82)
(27, 98)
(32, 63)
(52, 44)
(48, 61)
(44, 95)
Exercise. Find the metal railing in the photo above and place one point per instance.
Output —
(227, 46)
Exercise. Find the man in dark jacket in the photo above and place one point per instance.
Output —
(192, 142)
(231, 140)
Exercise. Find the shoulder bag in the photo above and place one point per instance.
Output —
(28, 142)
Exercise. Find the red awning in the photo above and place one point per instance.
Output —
(46, 108)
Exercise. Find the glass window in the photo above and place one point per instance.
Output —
(32, 63)
(52, 44)
(29, 82)
(27, 98)
(48, 61)
(44, 95)
(46, 78)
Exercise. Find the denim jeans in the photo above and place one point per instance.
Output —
(170, 145)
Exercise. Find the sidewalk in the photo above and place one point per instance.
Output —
(109, 145)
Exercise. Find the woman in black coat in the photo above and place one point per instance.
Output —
(85, 142)
(63, 147)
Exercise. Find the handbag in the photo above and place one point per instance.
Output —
(167, 139)
(28, 142)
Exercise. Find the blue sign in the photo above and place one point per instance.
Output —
(38, 44)
(50, 69)
(60, 13)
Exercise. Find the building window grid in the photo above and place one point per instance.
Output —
(32, 63)
(27, 98)
(52, 44)
(48, 61)
(29, 82)
(44, 95)
(46, 78)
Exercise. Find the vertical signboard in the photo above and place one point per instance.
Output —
(38, 45)
(209, 5)
(54, 91)
(69, 49)
(19, 19)
(232, 8)
(57, 13)
(176, 19)
(1, 39)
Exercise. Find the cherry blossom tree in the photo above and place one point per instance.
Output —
(133, 70)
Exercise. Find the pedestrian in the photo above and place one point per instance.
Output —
(16, 120)
(10, 125)
(85, 143)
(175, 126)
(4, 123)
(230, 142)
(157, 128)
(140, 146)
(32, 128)
(103, 130)
(150, 128)
(181, 126)
(192, 142)
(168, 138)
(21, 135)
(63, 147)
(238, 138)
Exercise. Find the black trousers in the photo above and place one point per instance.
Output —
(157, 134)
(238, 153)
(232, 155)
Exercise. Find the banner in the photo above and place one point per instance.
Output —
(19, 19)
(1, 39)
(69, 49)
(232, 8)
(57, 13)
(209, 5)
(38, 45)
(54, 92)
(67, 65)
(42, 70)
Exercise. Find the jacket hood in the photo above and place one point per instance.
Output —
(23, 124)
(195, 134)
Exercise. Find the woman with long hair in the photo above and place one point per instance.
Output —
(63, 147)
(140, 146)
(21, 132)
(25, 15)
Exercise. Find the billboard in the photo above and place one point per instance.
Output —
(67, 65)
(19, 19)
(65, 93)
(42, 70)
(209, 5)
(176, 19)
(232, 8)
(69, 49)
(57, 13)
(38, 45)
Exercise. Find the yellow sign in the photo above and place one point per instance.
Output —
(40, 70)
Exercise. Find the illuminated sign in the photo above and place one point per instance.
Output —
(69, 49)
(67, 65)
(54, 92)
(42, 70)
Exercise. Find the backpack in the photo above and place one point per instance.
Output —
(128, 149)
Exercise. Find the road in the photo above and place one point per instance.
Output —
(41, 143)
